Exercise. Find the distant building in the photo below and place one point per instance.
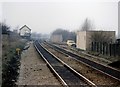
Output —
(25, 32)
(56, 38)
(84, 38)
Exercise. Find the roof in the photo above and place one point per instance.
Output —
(25, 26)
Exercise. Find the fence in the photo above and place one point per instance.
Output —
(106, 49)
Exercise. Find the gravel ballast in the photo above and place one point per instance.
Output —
(93, 75)
(33, 70)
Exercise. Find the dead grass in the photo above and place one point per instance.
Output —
(8, 48)
(8, 56)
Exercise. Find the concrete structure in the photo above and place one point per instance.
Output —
(25, 32)
(119, 20)
(56, 38)
(84, 38)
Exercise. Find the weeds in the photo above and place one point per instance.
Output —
(11, 65)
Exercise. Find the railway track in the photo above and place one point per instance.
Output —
(67, 75)
(99, 67)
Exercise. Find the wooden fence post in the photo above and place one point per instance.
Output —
(92, 46)
(106, 48)
(97, 46)
(110, 50)
(103, 48)
(118, 50)
(114, 50)
(100, 47)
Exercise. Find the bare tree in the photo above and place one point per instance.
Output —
(5, 28)
(65, 34)
(87, 25)
(101, 36)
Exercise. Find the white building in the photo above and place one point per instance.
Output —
(84, 38)
(25, 32)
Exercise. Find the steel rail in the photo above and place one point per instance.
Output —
(51, 68)
(74, 71)
(97, 66)
(75, 75)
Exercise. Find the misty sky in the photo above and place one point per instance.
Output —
(44, 17)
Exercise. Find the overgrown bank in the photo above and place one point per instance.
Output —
(10, 59)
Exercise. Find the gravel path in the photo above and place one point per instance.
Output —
(34, 71)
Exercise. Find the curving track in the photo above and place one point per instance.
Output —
(102, 68)
(65, 73)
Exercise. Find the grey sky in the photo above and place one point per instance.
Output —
(44, 17)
